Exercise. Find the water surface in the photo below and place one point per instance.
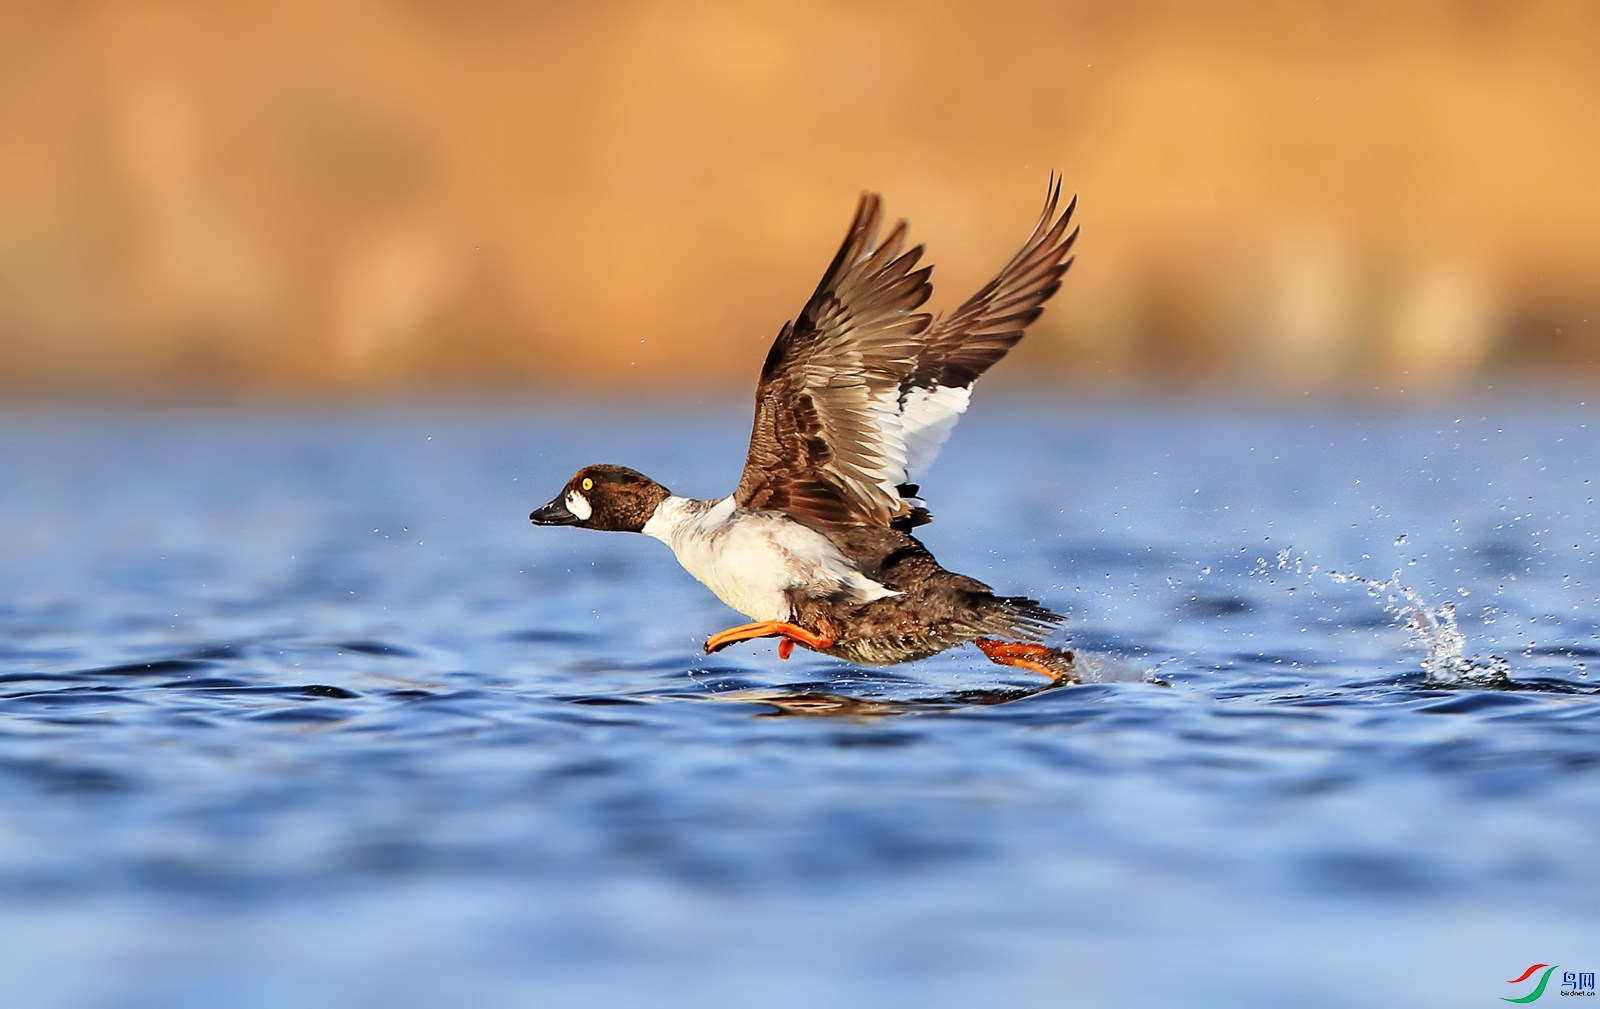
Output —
(296, 708)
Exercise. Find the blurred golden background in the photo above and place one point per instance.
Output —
(315, 197)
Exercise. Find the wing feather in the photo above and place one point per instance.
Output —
(826, 443)
(960, 347)
(860, 391)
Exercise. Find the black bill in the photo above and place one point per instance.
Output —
(554, 514)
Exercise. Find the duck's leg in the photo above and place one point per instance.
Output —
(768, 629)
(1051, 662)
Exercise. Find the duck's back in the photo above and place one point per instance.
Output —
(932, 609)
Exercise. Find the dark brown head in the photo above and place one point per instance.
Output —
(613, 498)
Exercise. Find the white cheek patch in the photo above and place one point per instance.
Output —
(578, 505)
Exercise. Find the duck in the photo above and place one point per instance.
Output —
(856, 396)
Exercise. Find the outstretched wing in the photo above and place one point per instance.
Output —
(827, 444)
(963, 345)
(858, 394)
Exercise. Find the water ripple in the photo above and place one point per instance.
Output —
(333, 693)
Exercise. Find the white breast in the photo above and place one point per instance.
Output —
(753, 561)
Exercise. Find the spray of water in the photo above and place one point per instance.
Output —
(1434, 627)
(1445, 661)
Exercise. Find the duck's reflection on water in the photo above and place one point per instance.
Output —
(824, 704)
(810, 701)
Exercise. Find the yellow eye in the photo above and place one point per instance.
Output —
(588, 484)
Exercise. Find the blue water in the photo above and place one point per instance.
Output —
(297, 709)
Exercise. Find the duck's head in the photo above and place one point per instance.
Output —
(613, 498)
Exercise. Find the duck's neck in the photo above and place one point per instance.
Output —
(676, 515)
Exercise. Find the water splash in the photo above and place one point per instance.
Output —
(1434, 627)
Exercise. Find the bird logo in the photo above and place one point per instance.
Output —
(1538, 989)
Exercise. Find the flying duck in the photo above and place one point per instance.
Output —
(856, 397)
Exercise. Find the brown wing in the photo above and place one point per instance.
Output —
(826, 445)
(963, 345)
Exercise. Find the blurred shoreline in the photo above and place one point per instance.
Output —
(995, 395)
(410, 197)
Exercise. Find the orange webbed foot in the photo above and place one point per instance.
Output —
(790, 633)
(1051, 662)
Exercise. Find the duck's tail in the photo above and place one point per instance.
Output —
(1017, 618)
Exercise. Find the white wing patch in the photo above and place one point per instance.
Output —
(578, 505)
(892, 446)
(927, 417)
(908, 432)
